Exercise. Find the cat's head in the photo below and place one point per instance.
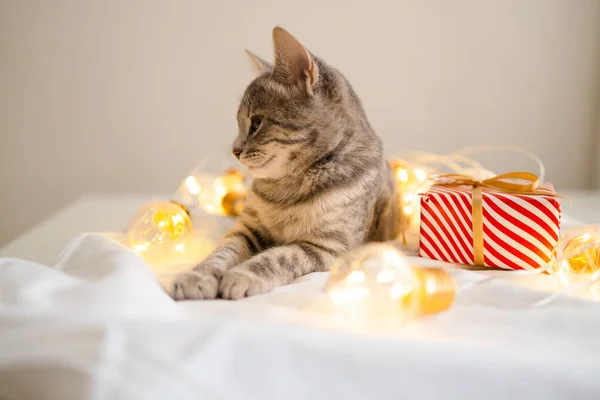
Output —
(291, 114)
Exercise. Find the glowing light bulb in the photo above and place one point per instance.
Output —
(192, 185)
(578, 253)
(356, 277)
(222, 195)
(160, 227)
(402, 175)
(375, 283)
(410, 182)
(179, 247)
(420, 174)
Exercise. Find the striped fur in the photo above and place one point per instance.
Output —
(321, 184)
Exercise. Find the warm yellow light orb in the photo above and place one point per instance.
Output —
(222, 195)
(192, 185)
(407, 174)
(161, 223)
(402, 175)
(411, 180)
(578, 253)
(376, 283)
(420, 174)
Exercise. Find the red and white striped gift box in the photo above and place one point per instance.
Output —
(519, 231)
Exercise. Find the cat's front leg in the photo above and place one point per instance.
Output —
(203, 281)
(275, 267)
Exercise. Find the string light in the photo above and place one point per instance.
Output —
(578, 252)
(223, 195)
(576, 260)
(375, 283)
(575, 265)
(410, 181)
(160, 227)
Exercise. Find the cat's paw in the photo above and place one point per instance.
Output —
(195, 285)
(240, 282)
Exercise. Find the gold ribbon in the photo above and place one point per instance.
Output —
(512, 182)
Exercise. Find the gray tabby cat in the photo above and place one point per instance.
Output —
(321, 185)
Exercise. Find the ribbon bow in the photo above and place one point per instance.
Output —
(529, 183)
(513, 182)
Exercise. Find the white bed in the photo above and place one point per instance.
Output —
(99, 326)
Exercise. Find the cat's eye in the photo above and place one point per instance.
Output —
(255, 123)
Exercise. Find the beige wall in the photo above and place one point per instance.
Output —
(596, 156)
(127, 96)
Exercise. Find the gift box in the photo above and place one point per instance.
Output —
(506, 222)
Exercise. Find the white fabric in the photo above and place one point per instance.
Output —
(98, 325)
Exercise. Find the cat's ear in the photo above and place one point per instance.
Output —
(293, 63)
(259, 65)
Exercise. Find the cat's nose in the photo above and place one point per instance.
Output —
(237, 150)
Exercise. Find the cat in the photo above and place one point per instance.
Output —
(321, 185)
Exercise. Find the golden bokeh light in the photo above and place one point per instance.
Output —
(376, 283)
(411, 181)
(222, 195)
(160, 225)
(578, 253)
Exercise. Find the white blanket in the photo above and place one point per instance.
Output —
(98, 325)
